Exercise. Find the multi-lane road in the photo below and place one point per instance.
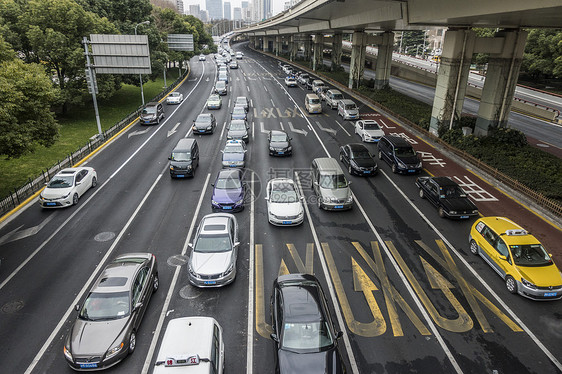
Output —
(400, 281)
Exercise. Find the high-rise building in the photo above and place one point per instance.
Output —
(245, 4)
(195, 11)
(267, 9)
(227, 13)
(179, 4)
(204, 15)
(214, 7)
(262, 9)
(237, 13)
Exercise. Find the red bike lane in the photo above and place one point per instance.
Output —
(490, 200)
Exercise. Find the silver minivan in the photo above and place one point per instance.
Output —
(332, 98)
(312, 103)
(347, 109)
(330, 185)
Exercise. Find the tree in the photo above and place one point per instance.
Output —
(543, 54)
(413, 41)
(26, 97)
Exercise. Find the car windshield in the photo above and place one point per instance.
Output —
(181, 156)
(175, 94)
(237, 126)
(405, 151)
(530, 255)
(338, 96)
(221, 85)
(214, 98)
(279, 138)
(361, 155)
(149, 110)
(212, 244)
(283, 193)
(314, 101)
(234, 148)
(371, 126)
(228, 184)
(350, 106)
(452, 192)
(203, 119)
(239, 110)
(333, 181)
(241, 101)
(307, 336)
(61, 181)
(105, 306)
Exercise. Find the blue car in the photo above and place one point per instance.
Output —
(228, 191)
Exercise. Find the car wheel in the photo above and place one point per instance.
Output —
(75, 199)
(473, 247)
(380, 155)
(155, 283)
(350, 170)
(132, 342)
(94, 182)
(510, 284)
(441, 212)
(394, 169)
(422, 195)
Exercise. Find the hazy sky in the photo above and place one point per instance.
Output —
(276, 4)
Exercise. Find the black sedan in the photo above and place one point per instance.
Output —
(450, 200)
(304, 336)
(358, 159)
(105, 329)
(205, 123)
(279, 143)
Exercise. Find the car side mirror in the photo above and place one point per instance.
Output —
(236, 244)
(77, 307)
(274, 338)
(190, 245)
(502, 257)
(169, 158)
(222, 150)
(212, 185)
(339, 334)
(302, 198)
(138, 305)
(266, 198)
(78, 183)
(349, 182)
(290, 138)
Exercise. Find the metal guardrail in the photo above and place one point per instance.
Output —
(549, 204)
(33, 185)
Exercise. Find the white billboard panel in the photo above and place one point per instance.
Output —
(180, 42)
(120, 54)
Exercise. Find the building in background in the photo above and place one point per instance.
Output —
(227, 14)
(237, 14)
(214, 7)
(195, 11)
(179, 5)
(261, 10)
(204, 16)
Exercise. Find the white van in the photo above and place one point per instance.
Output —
(312, 103)
(191, 345)
(348, 109)
(330, 185)
(332, 98)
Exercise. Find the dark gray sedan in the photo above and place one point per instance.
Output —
(105, 330)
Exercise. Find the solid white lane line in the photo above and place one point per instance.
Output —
(545, 350)
(96, 191)
(340, 125)
(250, 337)
(158, 329)
(98, 269)
(281, 124)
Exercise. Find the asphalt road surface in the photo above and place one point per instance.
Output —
(400, 281)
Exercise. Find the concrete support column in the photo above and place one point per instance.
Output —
(452, 78)
(278, 45)
(358, 51)
(336, 49)
(318, 48)
(265, 43)
(307, 47)
(252, 41)
(384, 60)
(292, 48)
(501, 80)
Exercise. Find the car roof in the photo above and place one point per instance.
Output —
(241, 98)
(215, 223)
(444, 181)
(301, 298)
(119, 274)
(277, 132)
(334, 91)
(397, 141)
(510, 231)
(347, 101)
(369, 121)
(204, 115)
(68, 171)
(238, 122)
(179, 342)
(152, 103)
(355, 147)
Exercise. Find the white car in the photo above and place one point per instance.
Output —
(191, 345)
(67, 186)
(290, 82)
(284, 203)
(202, 58)
(368, 130)
(174, 98)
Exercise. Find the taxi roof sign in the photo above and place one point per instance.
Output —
(516, 232)
(182, 361)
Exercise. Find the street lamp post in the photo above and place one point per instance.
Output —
(140, 75)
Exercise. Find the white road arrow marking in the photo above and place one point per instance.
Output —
(17, 235)
(298, 131)
(206, 80)
(140, 132)
(332, 131)
(174, 130)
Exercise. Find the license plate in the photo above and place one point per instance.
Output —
(411, 171)
(338, 206)
(210, 282)
(201, 130)
(464, 216)
(50, 204)
(84, 366)
(549, 294)
(180, 175)
(227, 207)
(281, 153)
(287, 222)
(367, 172)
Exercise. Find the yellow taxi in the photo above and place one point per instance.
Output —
(518, 257)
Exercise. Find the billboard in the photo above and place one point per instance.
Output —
(120, 54)
(180, 42)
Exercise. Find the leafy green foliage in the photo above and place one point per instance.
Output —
(543, 53)
(26, 95)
